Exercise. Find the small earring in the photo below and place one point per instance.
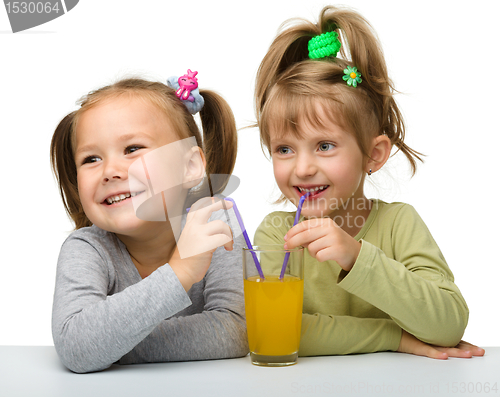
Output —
(370, 172)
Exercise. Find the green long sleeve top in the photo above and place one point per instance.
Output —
(400, 280)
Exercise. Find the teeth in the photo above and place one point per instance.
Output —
(118, 198)
(313, 189)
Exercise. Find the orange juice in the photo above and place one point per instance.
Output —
(274, 314)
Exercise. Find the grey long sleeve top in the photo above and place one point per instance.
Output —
(104, 312)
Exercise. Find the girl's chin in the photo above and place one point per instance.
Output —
(130, 227)
(143, 229)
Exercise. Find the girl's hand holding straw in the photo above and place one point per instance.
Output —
(324, 239)
(198, 241)
(226, 204)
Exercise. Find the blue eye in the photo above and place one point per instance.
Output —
(325, 146)
(283, 150)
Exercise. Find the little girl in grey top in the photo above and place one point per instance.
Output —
(131, 286)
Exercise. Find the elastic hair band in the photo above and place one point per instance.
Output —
(186, 89)
(324, 45)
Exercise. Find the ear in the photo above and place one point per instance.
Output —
(194, 169)
(379, 153)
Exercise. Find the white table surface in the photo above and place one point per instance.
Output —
(35, 371)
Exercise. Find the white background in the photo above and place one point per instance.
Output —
(442, 55)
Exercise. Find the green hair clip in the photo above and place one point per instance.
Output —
(352, 76)
(324, 45)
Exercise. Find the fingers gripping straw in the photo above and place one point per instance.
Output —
(296, 220)
(245, 235)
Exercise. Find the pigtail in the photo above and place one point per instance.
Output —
(287, 49)
(360, 47)
(64, 168)
(220, 139)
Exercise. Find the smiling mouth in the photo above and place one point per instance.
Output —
(313, 191)
(120, 197)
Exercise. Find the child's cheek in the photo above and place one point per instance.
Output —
(281, 176)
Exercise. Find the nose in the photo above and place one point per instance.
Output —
(114, 170)
(305, 166)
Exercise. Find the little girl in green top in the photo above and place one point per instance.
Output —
(375, 279)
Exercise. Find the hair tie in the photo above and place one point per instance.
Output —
(324, 45)
(328, 44)
(186, 89)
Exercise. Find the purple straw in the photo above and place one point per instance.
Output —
(297, 216)
(245, 236)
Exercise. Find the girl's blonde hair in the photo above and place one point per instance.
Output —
(290, 87)
(219, 142)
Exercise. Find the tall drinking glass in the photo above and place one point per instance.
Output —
(273, 306)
